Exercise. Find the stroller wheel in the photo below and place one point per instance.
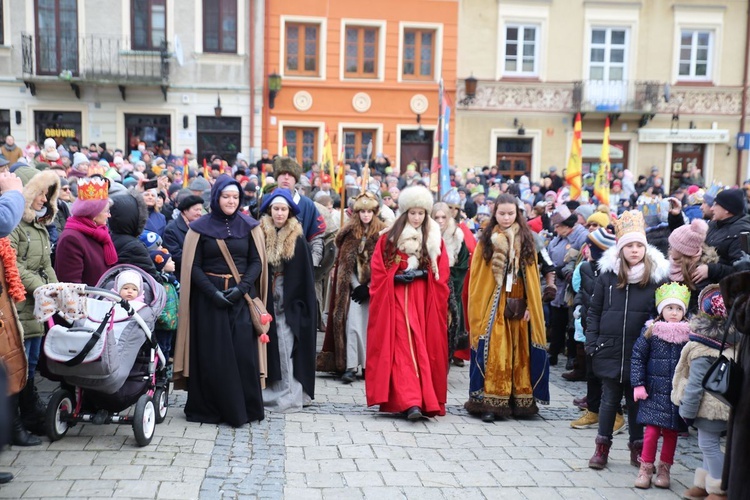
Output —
(161, 402)
(144, 420)
(60, 407)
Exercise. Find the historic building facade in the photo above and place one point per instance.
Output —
(368, 73)
(123, 71)
(668, 73)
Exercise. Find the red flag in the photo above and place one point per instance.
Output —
(205, 169)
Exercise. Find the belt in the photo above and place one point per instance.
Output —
(225, 277)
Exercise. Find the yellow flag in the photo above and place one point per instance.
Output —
(601, 187)
(327, 165)
(575, 162)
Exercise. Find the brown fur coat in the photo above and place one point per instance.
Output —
(280, 244)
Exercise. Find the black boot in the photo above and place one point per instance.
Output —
(33, 410)
(20, 436)
(5, 477)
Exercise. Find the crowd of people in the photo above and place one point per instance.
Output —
(511, 276)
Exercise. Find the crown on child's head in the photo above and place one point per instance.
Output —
(630, 221)
(673, 292)
(93, 188)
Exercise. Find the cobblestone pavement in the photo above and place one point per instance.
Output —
(337, 448)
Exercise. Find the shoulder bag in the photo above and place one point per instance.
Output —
(723, 380)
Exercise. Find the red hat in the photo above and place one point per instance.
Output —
(187, 152)
(325, 178)
(692, 189)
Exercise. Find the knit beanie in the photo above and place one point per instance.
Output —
(602, 239)
(688, 240)
(150, 239)
(78, 159)
(129, 278)
(732, 200)
(160, 258)
(598, 218)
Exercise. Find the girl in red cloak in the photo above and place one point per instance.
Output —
(407, 349)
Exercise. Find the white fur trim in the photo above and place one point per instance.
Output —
(674, 333)
(434, 243)
(415, 197)
(713, 485)
(659, 270)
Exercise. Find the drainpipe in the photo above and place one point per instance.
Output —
(264, 125)
(251, 51)
(743, 111)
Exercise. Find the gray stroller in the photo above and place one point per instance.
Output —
(108, 360)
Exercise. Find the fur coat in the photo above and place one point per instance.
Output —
(280, 244)
(410, 243)
(453, 237)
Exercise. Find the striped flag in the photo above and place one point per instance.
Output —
(284, 149)
(327, 163)
(575, 162)
(205, 169)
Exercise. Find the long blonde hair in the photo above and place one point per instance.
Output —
(624, 270)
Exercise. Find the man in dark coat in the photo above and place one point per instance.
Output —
(191, 208)
(129, 214)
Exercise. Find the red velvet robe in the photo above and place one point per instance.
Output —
(407, 365)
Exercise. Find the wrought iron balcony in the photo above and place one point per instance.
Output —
(93, 59)
(617, 96)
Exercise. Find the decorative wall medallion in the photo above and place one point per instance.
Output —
(303, 100)
(419, 104)
(361, 102)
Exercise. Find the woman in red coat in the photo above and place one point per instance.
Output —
(407, 349)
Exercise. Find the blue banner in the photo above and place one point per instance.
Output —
(445, 177)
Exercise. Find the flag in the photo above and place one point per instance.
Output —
(435, 164)
(339, 177)
(601, 186)
(284, 149)
(575, 162)
(205, 169)
(327, 163)
(185, 171)
(445, 177)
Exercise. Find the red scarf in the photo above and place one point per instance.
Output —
(100, 234)
(16, 290)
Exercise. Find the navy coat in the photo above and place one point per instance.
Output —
(652, 366)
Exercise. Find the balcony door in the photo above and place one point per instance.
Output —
(57, 36)
(608, 63)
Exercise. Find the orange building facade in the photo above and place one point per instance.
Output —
(363, 71)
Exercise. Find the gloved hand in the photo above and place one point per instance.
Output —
(409, 276)
(549, 293)
(220, 300)
(361, 294)
(639, 393)
(233, 294)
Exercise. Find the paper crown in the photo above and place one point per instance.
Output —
(673, 293)
(630, 221)
(93, 189)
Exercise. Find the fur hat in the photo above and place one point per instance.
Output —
(286, 165)
(688, 240)
(630, 228)
(672, 294)
(415, 197)
(366, 201)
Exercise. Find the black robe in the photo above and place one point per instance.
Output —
(224, 383)
(300, 310)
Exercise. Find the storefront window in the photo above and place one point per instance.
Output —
(592, 151)
(4, 124)
(63, 126)
(219, 136)
(154, 130)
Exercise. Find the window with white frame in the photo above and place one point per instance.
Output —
(521, 49)
(608, 54)
(695, 54)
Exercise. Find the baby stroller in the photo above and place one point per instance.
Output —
(108, 359)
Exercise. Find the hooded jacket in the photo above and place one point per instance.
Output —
(128, 219)
(31, 241)
(616, 316)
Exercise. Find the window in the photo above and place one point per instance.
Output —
(301, 144)
(695, 50)
(356, 142)
(219, 136)
(220, 26)
(521, 45)
(608, 54)
(301, 50)
(514, 157)
(419, 54)
(57, 32)
(149, 25)
(4, 124)
(361, 52)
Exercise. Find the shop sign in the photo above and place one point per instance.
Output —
(60, 132)
(698, 136)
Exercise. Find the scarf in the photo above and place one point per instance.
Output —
(16, 290)
(100, 234)
(635, 273)
(675, 270)
(10, 148)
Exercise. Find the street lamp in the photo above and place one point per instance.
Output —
(274, 86)
(470, 91)
(217, 109)
(420, 130)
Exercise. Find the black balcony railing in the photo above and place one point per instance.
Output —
(94, 58)
(616, 96)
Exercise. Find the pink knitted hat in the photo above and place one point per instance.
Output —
(688, 240)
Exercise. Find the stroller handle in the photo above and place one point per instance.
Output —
(109, 294)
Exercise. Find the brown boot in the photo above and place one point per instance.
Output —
(578, 372)
(698, 490)
(635, 452)
(713, 487)
(601, 454)
(643, 480)
(662, 475)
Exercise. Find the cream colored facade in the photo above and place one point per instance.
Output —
(603, 58)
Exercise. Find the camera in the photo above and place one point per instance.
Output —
(150, 185)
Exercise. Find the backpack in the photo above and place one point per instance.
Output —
(167, 320)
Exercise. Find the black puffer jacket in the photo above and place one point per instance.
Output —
(129, 216)
(589, 272)
(616, 316)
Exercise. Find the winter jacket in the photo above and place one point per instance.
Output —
(156, 222)
(174, 238)
(31, 241)
(128, 219)
(558, 248)
(616, 316)
(655, 356)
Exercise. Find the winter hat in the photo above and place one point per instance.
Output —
(562, 215)
(550, 196)
(711, 302)
(150, 239)
(129, 277)
(732, 200)
(629, 228)
(188, 202)
(286, 165)
(78, 159)
(452, 198)
(598, 218)
(366, 201)
(696, 197)
(688, 240)
(673, 293)
(415, 197)
(50, 150)
(93, 197)
(279, 196)
(476, 191)
(585, 211)
(483, 210)
(160, 258)
(199, 184)
(601, 239)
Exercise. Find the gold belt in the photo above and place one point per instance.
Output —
(225, 277)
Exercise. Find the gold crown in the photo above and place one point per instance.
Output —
(93, 189)
(673, 290)
(630, 222)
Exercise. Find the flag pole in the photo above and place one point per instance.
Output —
(440, 136)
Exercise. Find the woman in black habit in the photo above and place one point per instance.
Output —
(217, 347)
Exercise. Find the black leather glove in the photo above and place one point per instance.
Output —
(220, 300)
(233, 294)
(409, 276)
(361, 294)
